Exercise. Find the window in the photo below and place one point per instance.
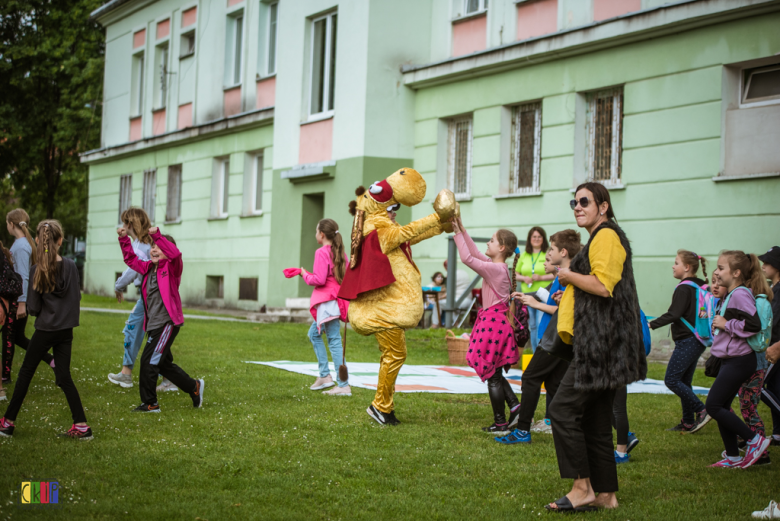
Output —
(187, 45)
(474, 6)
(459, 157)
(323, 64)
(173, 205)
(247, 288)
(233, 60)
(137, 87)
(161, 81)
(215, 286)
(125, 194)
(272, 14)
(224, 187)
(526, 149)
(258, 184)
(761, 84)
(150, 192)
(605, 135)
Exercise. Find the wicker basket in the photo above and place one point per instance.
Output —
(456, 348)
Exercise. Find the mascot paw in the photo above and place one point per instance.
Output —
(445, 205)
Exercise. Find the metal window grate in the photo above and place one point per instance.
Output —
(125, 194)
(525, 160)
(605, 136)
(247, 288)
(173, 206)
(150, 192)
(459, 167)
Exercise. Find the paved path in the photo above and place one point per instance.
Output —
(198, 317)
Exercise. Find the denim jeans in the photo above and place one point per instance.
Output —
(533, 326)
(134, 333)
(331, 330)
(679, 375)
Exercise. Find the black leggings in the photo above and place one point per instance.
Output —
(60, 342)
(733, 372)
(620, 415)
(545, 369)
(13, 333)
(501, 392)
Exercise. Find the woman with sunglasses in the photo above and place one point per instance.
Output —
(599, 317)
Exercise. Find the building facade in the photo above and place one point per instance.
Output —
(238, 125)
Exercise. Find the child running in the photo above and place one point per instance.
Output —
(326, 309)
(160, 291)
(54, 300)
(492, 344)
(543, 368)
(136, 224)
(736, 321)
(687, 348)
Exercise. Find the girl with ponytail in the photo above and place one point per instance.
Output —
(330, 263)
(23, 254)
(492, 348)
(53, 299)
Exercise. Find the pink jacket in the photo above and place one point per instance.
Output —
(496, 274)
(326, 288)
(168, 274)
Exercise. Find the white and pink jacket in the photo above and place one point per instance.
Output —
(326, 289)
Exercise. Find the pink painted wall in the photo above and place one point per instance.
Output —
(158, 122)
(537, 19)
(139, 39)
(185, 116)
(316, 142)
(232, 101)
(135, 129)
(234, 2)
(189, 17)
(603, 9)
(266, 93)
(163, 28)
(469, 36)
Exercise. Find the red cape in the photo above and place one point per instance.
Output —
(373, 270)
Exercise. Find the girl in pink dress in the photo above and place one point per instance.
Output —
(492, 344)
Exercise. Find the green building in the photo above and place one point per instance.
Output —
(239, 124)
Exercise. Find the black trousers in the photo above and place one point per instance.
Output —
(60, 342)
(156, 360)
(501, 392)
(13, 333)
(772, 384)
(620, 415)
(543, 368)
(733, 373)
(582, 432)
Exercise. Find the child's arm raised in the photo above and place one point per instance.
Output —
(131, 259)
(169, 250)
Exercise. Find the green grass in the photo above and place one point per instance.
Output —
(265, 447)
(97, 301)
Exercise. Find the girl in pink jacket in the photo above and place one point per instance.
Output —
(329, 267)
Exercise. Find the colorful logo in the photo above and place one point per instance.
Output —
(40, 492)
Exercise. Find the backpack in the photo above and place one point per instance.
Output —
(760, 341)
(705, 313)
(10, 281)
(646, 340)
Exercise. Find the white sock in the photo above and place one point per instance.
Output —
(734, 459)
(621, 454)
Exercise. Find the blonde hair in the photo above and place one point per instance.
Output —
(330, 229)
(21, 220)
(137, 219)
(750, 273)
(46, 269)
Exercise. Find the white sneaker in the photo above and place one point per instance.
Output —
(542, 426)
(166, 385)
(339, 391)
(2, 395)
(322, 383)
(770, 512)
(121, 379)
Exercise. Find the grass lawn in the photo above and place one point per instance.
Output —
(265, 447)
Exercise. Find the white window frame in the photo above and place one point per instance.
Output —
(173, 199)
(273, 38)
(482, 6)
(224, 187)
(329, 41)
(125, 194)
(514, 164)
(150, 193)
(138, 74)
(184, 50)
(617, 132)
(234, 78)
(743, 87)
(452, 125)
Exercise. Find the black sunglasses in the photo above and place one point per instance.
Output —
(583, 201)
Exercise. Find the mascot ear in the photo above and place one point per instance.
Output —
(360, 191)
(352, 207)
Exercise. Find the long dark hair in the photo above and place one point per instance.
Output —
(545, 244)
(600, 195)
(330, 229)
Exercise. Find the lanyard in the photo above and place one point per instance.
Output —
(534, 261)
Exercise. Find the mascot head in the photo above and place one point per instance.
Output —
(405, 187)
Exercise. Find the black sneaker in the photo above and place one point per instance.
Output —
(391, 419)
(197, 394)
(145, 407)
(513, 418)
(497, 429)
(6, 428)
(377, 415)
(680, 427)
(763, 460)
(75, 433)
(702, 419)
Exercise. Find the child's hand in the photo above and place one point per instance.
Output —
(153, 230)
(121, 231)
(303, 272)
(557, 297)
(455, 226)
(718, 323)
(119, 296)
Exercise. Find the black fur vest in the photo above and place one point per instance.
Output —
(608, 348)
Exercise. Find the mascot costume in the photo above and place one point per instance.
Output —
(382, 282)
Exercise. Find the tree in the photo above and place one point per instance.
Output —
(51, 74)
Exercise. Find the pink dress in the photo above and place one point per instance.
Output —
(492, 343)
(325, 306)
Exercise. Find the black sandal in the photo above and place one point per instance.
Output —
(564, 506)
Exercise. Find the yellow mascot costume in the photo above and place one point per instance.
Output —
(382, 282)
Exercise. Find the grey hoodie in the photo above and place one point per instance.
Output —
(59, 309)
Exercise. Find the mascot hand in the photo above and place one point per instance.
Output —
(445, 205)
(446, 226)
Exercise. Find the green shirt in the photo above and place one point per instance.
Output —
(529, 264)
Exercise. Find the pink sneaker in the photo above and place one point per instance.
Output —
(754, 451)
(726, 463)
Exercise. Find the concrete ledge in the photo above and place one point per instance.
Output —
(310, 172)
